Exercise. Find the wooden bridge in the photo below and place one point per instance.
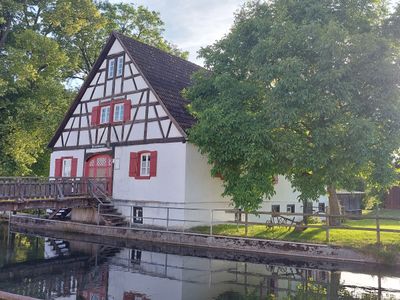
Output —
(22, 193)
(60, 194)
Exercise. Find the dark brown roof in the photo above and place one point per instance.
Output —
(167, 74)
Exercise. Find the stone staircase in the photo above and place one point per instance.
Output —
(109, 214)
(59, 247)
(104, 253)
(108, 251)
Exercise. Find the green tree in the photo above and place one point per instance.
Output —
(307, 89)
(44, 44)
(82, 27)
(33, 100)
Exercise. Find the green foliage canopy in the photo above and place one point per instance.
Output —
(43, 45)
(307, 89)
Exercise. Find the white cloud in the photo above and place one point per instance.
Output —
(192, 24)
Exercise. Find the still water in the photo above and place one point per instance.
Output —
(86, 268)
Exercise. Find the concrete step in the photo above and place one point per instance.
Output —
(110, 214)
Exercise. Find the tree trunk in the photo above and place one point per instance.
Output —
(334, 206)
(307, 209)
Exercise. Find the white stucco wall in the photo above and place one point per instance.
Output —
(79, 154)
(167, 186)
(202, 190)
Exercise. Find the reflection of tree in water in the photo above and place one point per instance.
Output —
(333, 290)
(18, 247)
(308, 284)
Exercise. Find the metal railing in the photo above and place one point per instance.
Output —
(164, 224)
(177, 219)
(329, 222)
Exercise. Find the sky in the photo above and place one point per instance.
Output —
(192, 24)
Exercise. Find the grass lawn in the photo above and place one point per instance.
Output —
(343, 237)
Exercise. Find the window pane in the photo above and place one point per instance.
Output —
(290, 208)
(105, 115)
(111, 66)
(66, 168)
(119, 112)
(145, 165)
(276, 208)
(120, 65)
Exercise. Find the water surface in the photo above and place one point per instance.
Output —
(62, 268)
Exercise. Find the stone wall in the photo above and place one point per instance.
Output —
(240, 245)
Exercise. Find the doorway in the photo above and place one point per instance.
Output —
(100, 166)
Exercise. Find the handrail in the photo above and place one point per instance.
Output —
(58, 188)
(95, 189)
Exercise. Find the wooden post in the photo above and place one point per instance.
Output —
(98, 213)
(18, 189)
(327, 224)
(378, 228)
(238, 219)
(131, 217)
(211, 221)
(246, 229)
(167, 218)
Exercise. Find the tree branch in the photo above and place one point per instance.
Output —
(77, 77)
(4, 33)
(86, 60)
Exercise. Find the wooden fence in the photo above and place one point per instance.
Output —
(288, 220)
(30, 188)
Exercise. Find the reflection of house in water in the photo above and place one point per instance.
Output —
(93, 285)
(156, 275)
(92, 271)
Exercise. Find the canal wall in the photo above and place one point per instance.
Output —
(240, 245)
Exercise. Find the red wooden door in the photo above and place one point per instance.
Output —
(100, 166)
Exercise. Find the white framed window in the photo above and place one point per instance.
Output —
(321, 207)
(276, 208)
(66, 167)
(105, 115)
(111, 68)
(145, 164)
(118, 112)
(138, 215)
(290, 208)
(120, 65)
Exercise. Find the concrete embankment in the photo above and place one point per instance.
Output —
(240, 245)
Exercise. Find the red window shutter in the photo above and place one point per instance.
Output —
(153, 163)
(74, 167)
(58, 167)
(133, 165)
(95, 115)
(127, 110)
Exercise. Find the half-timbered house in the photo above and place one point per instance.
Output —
(128, 124)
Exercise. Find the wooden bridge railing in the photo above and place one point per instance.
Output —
(23, 188)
